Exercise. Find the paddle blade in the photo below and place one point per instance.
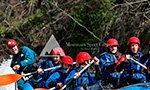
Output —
(9, 78)
(40, 89)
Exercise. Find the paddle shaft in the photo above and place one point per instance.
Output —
(43, 70)
(138, 63)
(46, 69)
(76, 76)
(85, 68)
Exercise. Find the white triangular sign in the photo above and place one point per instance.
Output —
(51, 44)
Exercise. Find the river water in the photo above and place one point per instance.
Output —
(6, 69)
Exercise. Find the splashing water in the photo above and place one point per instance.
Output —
(6, 69)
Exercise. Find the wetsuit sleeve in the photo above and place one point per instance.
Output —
(29, 56)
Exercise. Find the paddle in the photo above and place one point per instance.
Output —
(75, 76)
(49, 68)
(123, 58)
(11, 78)
(138, 63)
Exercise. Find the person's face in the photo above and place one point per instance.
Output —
(134, 47)
(14, 49)
(113, 48)
(66, 66)
(86, 62)
(56, 59)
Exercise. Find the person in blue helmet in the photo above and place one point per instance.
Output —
(22, 57)
(58, 76)
(108, 59)
(85, 80)
(145, 59)
(132, 71)
(57, 53)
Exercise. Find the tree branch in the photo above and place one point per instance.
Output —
(80, 24)
(130, 3)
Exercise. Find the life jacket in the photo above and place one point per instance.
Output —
(40, 82)
(107, 64)
(56, 76)
(131, 64)
(133, 70)
(46, 64)
(82, 81)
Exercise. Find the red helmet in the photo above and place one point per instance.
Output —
(134, 40)
(82, 56)
(58, 51)
(67, 60)
(112, 42)
(149, 42)
(10, 43)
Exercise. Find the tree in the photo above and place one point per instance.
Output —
(84, 24)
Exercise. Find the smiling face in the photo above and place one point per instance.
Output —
(56, 59)
(134, 47)
(14, 49)
(113, 49)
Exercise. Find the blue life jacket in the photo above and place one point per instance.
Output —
(84, 80)
(56, 76)
(133, 68)
(107, 64)
(44, 65)
(44, 76)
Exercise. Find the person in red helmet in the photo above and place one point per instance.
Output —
(108, 59)
(10, 44)
(56, 55)
(58, 76)
(85, 79)
(22, 58)
(132, 71)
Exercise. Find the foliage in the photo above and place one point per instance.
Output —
(84, 24)
(95, 19)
